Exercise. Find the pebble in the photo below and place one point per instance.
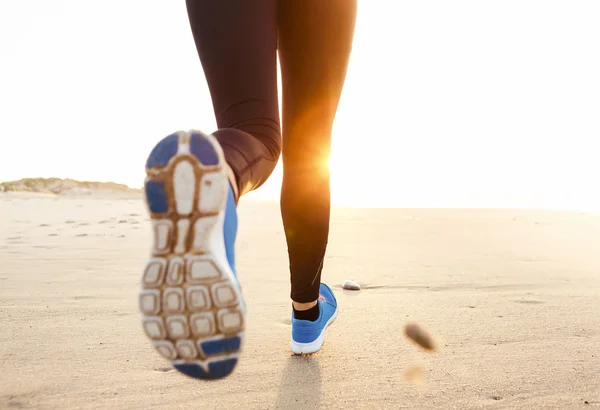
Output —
(418, 335)
(350, 285)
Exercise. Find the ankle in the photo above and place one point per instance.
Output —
(303, 306)
(306, 311)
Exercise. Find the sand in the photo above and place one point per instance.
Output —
(512, 298)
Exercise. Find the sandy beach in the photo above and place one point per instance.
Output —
(512, 298)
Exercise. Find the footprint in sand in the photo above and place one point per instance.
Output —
(164, 369)
(43, 247)
(15, 240)
(529, 301)
(82, 297)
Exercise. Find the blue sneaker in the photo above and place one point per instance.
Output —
(307, 336)
(191, 301)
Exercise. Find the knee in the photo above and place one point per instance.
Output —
(306, 160)
(268, 134)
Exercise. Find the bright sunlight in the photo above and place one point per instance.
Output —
(463, 104)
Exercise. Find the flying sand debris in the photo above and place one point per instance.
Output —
(414, 375)
(419, 336)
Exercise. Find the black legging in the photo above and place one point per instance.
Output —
(237, 41)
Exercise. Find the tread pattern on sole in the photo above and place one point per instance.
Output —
(191, 305)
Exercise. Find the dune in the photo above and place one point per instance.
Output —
(68, 187)
(511, 298)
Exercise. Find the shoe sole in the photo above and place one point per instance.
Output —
(315, 346)
(192, 307)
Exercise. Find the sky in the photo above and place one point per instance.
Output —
(446, 104)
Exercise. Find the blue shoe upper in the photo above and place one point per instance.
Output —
(230, 229)
(305, 331)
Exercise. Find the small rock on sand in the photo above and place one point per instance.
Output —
(350, 285)
(419, 336)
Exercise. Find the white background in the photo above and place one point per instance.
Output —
(463, 103)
